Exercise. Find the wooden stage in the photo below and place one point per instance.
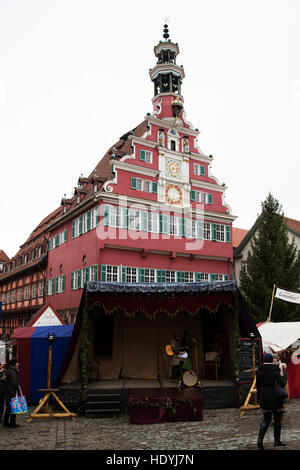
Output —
(216, 394)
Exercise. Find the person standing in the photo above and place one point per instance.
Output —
(2, 390)
(175, 360)
(270, 405)
(12, 386)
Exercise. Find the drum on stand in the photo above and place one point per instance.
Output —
(189, 378)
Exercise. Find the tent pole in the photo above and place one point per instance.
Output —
(269, 317)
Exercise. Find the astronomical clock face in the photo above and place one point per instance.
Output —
(173, 168)
(173, 194)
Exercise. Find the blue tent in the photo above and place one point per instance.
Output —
(33, 353)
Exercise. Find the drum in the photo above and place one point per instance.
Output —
(189, 378)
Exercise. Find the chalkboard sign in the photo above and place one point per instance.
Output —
(246, 361)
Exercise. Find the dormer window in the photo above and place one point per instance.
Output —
(95, 188)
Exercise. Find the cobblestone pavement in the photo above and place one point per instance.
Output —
(221, 429)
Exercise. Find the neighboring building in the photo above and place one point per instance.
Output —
(242, 243)
(22, 284)
(150, 211)
(4, 259)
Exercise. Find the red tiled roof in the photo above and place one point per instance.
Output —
(3, 256)
(237, 235)
(293, 224)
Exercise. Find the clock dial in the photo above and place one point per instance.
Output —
(173, 194)
(173, 168)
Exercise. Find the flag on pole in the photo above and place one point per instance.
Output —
(288, 296)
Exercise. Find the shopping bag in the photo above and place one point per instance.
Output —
(18, 404)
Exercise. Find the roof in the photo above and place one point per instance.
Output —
(160, 287)
(3, 256)
(237, 235)
(293, 225)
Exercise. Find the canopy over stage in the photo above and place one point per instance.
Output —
(124, 327)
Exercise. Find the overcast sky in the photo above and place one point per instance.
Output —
(74, 77)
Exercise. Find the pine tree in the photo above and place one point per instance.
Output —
(272, 259)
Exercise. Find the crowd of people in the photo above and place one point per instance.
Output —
(9, 385)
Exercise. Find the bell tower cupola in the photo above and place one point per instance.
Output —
(167, 78)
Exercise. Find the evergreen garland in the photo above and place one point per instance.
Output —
(84, 352)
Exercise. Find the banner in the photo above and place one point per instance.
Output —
(287, 296)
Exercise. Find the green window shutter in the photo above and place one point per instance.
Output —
(133, 182)
(227, 228)
(209, 198)
(226, 277)
(56, 240)
(144, 222)
(212, 277)
(72, 280)
(199, 230)
(88, 220)
(65, 235)
(57, 284)
(73, 228)
(180, 276)
(161, 275)
(78, 274)
(97, 215)
(96, 272)
(214, 232)
(163, 223)
(123, 274)
(142, 155)
(87, 273)
(181, 227)
(53, 291)
(103, 272)
(193, 195)
(47, 287)
(154, 187)
(80, 225)
(141, 274)
(106, 210)
(202, 170)
(125, 217)
(198, 277)
(63, 283)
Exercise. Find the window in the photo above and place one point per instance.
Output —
(26, 292)
(206, 231)
(134, 222)
(145, 156)
(3, 299)
(33, 291)
(149, 275)
(50, 287)
(199, 170)
(150, 186)
(136, 183)
(19, 294)
(60, 284)
(93, 276)
(129, 274)
(13, 295)
(41, 288)
(244, 266)
(115, 216)
(170, 276)
(111, 273)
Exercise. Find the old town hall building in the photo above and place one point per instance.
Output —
(151, 211)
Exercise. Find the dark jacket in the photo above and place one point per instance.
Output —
(3, 382)
(12, 382)
(265, 379)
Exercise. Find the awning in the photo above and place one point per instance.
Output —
(280, 335)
